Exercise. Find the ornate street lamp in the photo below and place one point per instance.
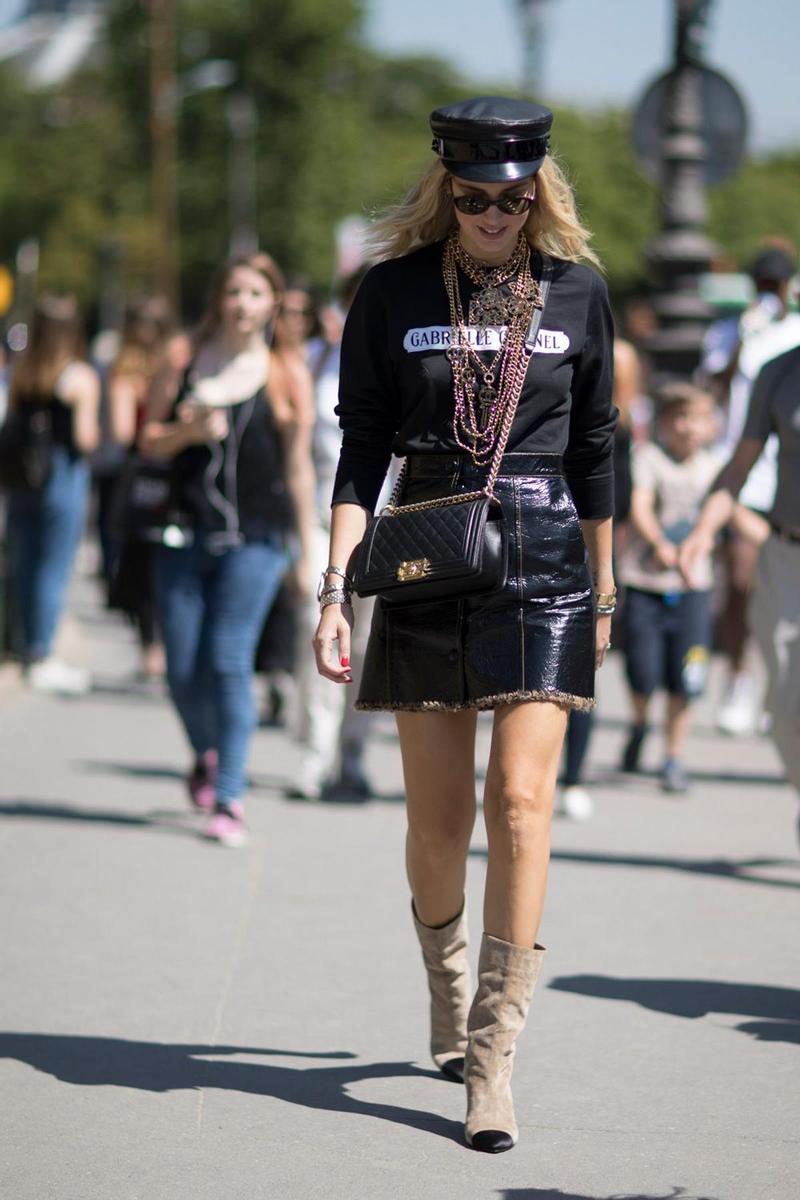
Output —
(689, 130)
(533, 29)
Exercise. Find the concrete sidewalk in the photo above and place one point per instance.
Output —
(179, 1021)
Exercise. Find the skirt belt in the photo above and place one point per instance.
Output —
(433, 466)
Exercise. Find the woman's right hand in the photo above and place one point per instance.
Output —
(666, 554)
(202, 423)
(697, 546)
(335, 626)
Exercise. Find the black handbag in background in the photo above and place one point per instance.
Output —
(26, 447)
(143, 506)
(444, 549)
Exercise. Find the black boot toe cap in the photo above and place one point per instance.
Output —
(453, 1070)
(492, 1141)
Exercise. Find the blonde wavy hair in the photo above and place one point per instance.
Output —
(426, 215)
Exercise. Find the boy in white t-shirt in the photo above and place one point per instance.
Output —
(667, 624)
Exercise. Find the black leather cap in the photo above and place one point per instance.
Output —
(491, 139)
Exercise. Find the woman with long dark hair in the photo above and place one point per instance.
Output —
(238, 433)
(53, 391)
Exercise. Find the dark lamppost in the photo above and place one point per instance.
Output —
(242, 183)
(164, 150)
(689, 131)
(167, 92)
(532, 26)
(220, 74)
(682, 251)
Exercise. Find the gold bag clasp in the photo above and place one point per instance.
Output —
(417, 568)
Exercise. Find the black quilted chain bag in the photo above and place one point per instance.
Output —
(442, 549)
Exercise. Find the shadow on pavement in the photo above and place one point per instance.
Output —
(131, 770)
(258, 781)
(173, 822)
(740, 870)
(157, 1067)
(554, 1194)
(131, 689)
(778, 1007)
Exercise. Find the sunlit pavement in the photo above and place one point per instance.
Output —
(181, 1021)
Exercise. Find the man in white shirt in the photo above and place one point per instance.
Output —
(735, 350)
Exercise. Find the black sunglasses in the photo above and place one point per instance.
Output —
(473, 203)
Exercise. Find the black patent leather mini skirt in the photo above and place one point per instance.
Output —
(531, 640)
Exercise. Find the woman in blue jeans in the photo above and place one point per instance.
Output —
(58, 392)
(237, 428)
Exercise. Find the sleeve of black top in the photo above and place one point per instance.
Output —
(589, 457)
(759, 422)
(369, 404)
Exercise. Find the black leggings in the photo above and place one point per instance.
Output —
(579, 731)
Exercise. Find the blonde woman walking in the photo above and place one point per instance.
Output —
(434, 363)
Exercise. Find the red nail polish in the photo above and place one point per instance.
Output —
(345, 662)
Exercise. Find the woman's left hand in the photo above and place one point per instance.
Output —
(602, 641)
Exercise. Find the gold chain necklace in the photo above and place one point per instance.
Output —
(480, 408)
(490, 305)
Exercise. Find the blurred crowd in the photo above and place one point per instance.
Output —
(152, 432)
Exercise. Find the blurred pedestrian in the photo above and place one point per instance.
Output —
(465, 252)
(332, 732)
(637, 328)
(667, 622)
(53, 404)
(276, 657)
(237, 431)
(148, 327)
(3, 381)
(576, 800)
(736, 348)
(775, 608)
(108, 459)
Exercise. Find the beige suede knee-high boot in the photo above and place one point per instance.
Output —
(444, 952)
(507, 976)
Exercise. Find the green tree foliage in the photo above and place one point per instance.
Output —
(341, 130)
(763, 199)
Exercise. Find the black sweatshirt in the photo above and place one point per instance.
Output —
(396, 388)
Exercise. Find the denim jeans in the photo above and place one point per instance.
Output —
(44, 531)
(212, 608)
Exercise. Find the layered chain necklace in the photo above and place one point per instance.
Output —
(486, 392)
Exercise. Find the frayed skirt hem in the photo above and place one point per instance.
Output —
(563, 699)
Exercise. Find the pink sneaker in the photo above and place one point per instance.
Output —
(201, 782)
(227, 826)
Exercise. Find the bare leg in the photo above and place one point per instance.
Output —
(518, 805)
(678, 709)
(741, 559)
(438, 751)
(640, 704)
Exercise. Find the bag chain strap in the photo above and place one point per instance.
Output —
(394, 509)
